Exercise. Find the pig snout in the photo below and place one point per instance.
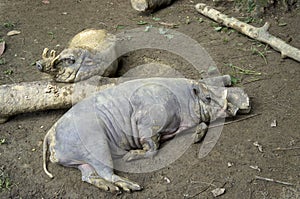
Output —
(39, 66)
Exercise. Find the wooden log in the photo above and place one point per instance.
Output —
(44, 95)
(260, 34)
(149, 5)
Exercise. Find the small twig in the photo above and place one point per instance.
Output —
(272, 180)
(233, 121)
(200, 182)
(11, 79)
(60, 190)
(251, 192)
(171, 25)
(203, 190)
(252, 80)
(286, 149)
(244, 71)
(261, 54)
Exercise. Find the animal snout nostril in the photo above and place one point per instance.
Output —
(39, 66)
(208, 98)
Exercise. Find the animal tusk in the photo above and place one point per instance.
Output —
(52, 54)
(225, 100)
(44, 54)
(54, 59)
(225, 105)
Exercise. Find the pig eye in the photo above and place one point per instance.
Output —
(70, 60)
(39, 66)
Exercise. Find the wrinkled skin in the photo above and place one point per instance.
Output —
(129, 120)
(90, 52)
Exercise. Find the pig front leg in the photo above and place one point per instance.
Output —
(150, 147)
(155, 112)
(201, 130)
(150, 122)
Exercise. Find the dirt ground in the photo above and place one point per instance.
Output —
(274, 94)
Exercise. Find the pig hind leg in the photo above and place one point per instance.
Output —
(103, 177)
(89, 175)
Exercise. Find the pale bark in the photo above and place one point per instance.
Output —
(149, 5)
(260, 34)
(44, 95)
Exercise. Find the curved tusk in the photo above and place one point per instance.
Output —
(44, 54)
(53, 60)
(52, 54)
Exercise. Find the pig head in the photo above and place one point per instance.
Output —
(91, 52)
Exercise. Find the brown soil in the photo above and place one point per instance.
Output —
(275, 96)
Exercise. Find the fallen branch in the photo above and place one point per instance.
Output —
(272, 180)
(45, 95)
(260, 34)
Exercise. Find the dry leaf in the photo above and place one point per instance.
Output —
(260, 148)
(167, 180)
(45, 1)
(229, 164)
(274, 123)
(13, 32)
(255, 168)
(218, 191)
(2, 47)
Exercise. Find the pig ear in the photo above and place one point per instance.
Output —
(89, 61)
(195, 91)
